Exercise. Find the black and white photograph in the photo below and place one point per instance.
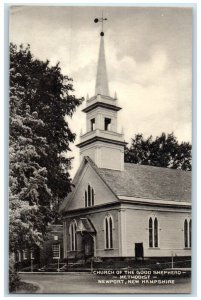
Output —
(100, 149)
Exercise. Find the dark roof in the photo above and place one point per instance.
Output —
(139, 181)
(101, 104)
(149, 182)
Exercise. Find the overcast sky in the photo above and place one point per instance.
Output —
(148, 56)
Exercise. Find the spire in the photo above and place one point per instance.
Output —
(101, 77)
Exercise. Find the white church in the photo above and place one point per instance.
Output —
(117, 209)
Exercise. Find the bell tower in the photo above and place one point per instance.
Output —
(102, 143)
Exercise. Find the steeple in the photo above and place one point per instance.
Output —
(101, 77)
(102, 142)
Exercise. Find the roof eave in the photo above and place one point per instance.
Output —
(161, 202)
(101, 104)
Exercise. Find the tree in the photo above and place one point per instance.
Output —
(40, 100)
(163, 151)
(49, 94)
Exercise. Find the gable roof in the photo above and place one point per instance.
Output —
(140, 181)
(75, 183)
(149, 182)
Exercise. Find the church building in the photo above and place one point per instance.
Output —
(117, 209)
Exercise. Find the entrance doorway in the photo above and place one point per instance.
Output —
(139, 251)
(88, 243)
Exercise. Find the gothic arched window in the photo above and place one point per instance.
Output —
(190, 229)
(89, 196)
(73, 235)
(92, 197)
(150, 233)
(187, 233)
(153, 233)
(85, 199)
(108, 227)
(156, 233)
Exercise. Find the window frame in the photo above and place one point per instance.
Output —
(93, 124)
(89, 196)
(107, 125)
(57, 251)
(73, 235)
(187, 229)
(19, 256)
(151, 242)
(25, 254)
(108, 232)
(153, 230)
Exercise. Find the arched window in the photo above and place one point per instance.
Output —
(153, 233)
(190, 233)
(85, 199)
(73, 235)
(156, 233)
(150, 233)
(106, 233)
(92, 197)
(187, 233)
(111, 233)
(89, 196)
(108, 226)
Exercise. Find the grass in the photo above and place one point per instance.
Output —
(25, 287)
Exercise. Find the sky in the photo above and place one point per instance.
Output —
(148, 56)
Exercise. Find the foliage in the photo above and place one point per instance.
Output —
(40, 100)
(14, 279)
(163, 151)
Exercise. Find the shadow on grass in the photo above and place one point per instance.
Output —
(25, 287)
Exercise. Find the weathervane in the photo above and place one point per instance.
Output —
(96, 20)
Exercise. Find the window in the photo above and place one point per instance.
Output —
(25, 254)
(187, 233)
(85, 199)
(56, 251)
(18, 256)
(107, 124)
(32, 254)
(150, 233)
(93, 124)
(108, 227)
(89, 196)
(190, 233)
(156, 233)
(153, 233)
(56, 237)
(92, 197)
(73, 236)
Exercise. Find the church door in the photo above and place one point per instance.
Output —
(88, 246)
(139, 251)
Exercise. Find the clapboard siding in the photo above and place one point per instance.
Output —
(171, 234)
(102, 192)
(97, 220)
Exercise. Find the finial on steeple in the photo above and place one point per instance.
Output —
(101, 77)
(96, 20)
(87, 97)
(115, 95)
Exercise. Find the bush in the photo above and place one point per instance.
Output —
(14, 279)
